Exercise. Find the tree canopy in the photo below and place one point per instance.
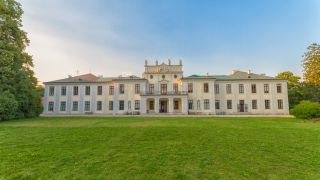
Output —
(311, 64)
(16, 66)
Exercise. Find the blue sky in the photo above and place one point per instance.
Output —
(112, 37)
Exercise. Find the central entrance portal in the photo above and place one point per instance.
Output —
(163, 106)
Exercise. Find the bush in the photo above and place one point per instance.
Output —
(306, 110)
(8, 106)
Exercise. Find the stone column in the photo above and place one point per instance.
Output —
(184, 105)
(143, 105)
(156, 104)
(171, 104)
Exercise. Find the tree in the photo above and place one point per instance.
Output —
(288, 75)
(311, 64)
(8, 106)
(16, 67)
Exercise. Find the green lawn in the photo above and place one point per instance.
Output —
(160, 148)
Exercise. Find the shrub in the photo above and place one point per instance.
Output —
(8, 106)
(306, 110)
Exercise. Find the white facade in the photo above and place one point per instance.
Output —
(162, 89)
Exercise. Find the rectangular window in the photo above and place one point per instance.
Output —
(266, 88)
(111, 90)
(51, 91)
(137, 89)
(87, 92)
(254, 104)
(163, 88)
(63, 91)
(121, 89)
(229, 104)
(175, 87)
(75, 90)
(267, 104)
(241, 88)
(137, 105)
(110, 105)
(190, 88)
(217, 104)
(279, 88)
(151, 105)
(228, 89)
(280, 104)
(62, 106)
(151, 88)
(190, 104)
(205, 87)
(75, 106)
(121, 105)
(50, 106)
(206, 104)
(253, 88)
(87, 106)
(99, 105)
(99, 91)
(216, 88)
(176, 104)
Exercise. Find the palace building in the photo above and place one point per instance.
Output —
(163, 89)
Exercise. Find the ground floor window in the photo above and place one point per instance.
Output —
(75, 106)
(99, 105)
(280, 104)
(190, 104)
(137, 105)
(176, 104)
(87, 106)
(62, 106)
(267, 104)
(151, 105)
(254, 104)
(217, 104)
(229, 104)
(110, 105)
(121, 105)
(50, 106)
(206, 104)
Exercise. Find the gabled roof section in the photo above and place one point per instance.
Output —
(74, 79)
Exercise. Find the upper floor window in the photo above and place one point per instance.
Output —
(99, 91)
(111, 90)
(279, 88)
(151, 76)
(266, 88)
(51, 91)
(121, 89)
(175, 87)
(163, 76)
(253, 88)
(163, 88)
(175, 76)
(137, 88)
(151, 88)
(228, 89)
(216, 88)
(206, 87)
(75, 90)
(87, 90)
(241, 88)
(190, 88)
(63, 91)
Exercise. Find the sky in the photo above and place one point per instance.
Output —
(112, 37)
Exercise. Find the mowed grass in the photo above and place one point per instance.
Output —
(160, 148)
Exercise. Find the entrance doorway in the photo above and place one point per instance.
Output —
(241, 104)
(163, 106)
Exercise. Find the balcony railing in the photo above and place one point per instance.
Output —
(168, 93)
